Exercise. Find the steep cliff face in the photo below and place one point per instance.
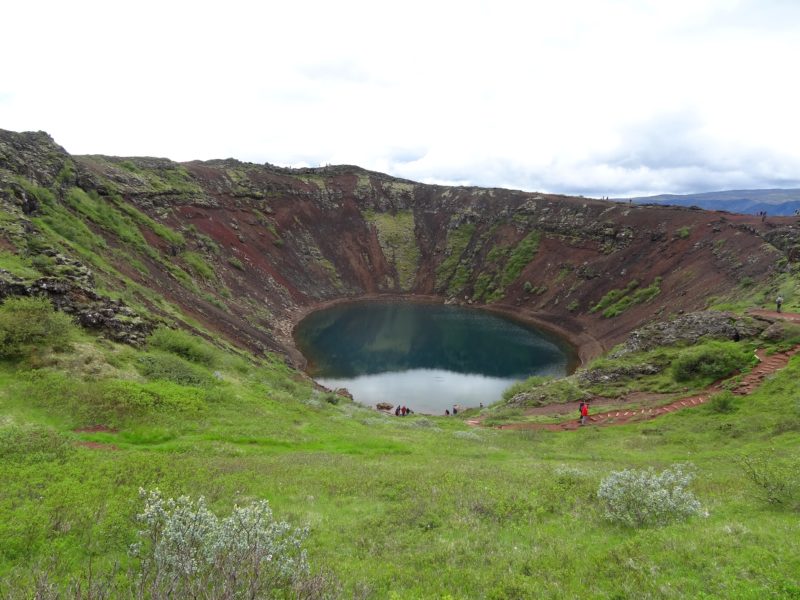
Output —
(244, 250)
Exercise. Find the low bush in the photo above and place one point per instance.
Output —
(186, 551)
(183, 344)
(169, 367)
(776, 481)
(129, 397)
(712, 360)
(637, 498)
(32, 443)
(32, 325)
(724, 402)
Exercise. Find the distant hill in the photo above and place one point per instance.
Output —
(774, 202)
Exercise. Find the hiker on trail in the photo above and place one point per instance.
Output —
(404, 411)
(397, 411)
(778, 302)
(584, 413)
(455, 410)
(580, 411)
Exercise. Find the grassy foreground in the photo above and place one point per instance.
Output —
(415, 507)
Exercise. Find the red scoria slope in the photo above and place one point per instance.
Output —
(281, 242)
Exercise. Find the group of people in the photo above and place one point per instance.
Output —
(455, 410)
(402, 411)
(583, 411)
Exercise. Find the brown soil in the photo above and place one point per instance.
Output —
(96, 429)
(97, 446)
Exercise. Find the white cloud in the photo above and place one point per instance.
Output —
(603, 97)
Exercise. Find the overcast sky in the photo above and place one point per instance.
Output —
(596, 97)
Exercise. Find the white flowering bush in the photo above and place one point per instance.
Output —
(186, 551)
(636, 498)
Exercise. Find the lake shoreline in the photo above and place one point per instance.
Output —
(427, 341)
(584, 346)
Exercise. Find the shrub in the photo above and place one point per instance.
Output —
(777, 482)
(120, 398)
(160, 365)
(186, 551)
(32, 443)
(713, 360)
(30, 325)
(722, 402)
(636, 498)
(331, 398)
(183, 344)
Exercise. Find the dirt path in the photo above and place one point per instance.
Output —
(772, 315)
(767, 365)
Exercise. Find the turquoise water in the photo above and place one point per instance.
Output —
(428, 357)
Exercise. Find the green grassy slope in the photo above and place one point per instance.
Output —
(415, 507)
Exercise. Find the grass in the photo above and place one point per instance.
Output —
(199, 265)
(420, 507)
(519, 258)
(18, 266)
(617, 301)
(499, 514)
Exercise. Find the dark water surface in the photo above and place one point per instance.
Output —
(425, 356)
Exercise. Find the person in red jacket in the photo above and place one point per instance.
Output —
(584, 413)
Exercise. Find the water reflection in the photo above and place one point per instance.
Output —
(429, 391)
(425, 356)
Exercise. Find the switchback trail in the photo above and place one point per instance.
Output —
(749, 382)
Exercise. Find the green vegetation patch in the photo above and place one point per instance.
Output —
(711, 361)
(618, 301)
(519, 258)
(185, 345)
(169, 235)
(330, 269)
(107, 216)
(504, 265)
(451, 271)
(31, 326)
(199, 265)
(399, 243)
(18, 266)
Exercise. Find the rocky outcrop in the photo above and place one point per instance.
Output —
(688, 329)
(617, 373)
(242, 250)
(92, 311)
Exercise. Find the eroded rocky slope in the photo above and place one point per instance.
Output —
(243, 249)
